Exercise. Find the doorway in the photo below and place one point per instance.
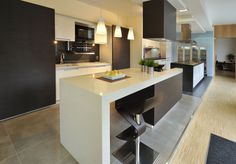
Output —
(225, 51)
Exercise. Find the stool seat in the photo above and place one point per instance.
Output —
(132, 111)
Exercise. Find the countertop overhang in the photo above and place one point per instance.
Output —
(138, 80)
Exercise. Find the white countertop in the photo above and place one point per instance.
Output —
(81, 65)
(137, 81)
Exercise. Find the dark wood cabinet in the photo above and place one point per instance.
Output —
(169, 92)
(120, 50)
(27, 59)
(159, 20)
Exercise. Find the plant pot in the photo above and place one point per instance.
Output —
(150, 70)
(143, 68)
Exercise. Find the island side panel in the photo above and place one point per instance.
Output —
(81, 125)
(169, 93)
(187, 76)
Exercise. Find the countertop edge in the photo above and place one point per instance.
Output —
(186, 64)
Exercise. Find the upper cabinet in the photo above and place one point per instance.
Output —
(159, 20)
(64, 28)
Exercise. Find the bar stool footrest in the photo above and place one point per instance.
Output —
(127, 154)
(128, 135)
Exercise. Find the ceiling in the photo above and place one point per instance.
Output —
(196, 16)
(120, 7)
(221, 12)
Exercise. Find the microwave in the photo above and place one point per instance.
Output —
(83, 33)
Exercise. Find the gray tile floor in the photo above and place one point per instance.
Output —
(34, 138)
(165, 135)
(200, 88)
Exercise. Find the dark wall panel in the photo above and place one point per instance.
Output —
(120, 50)
(169, 93)
(27, 59)
(187, 76)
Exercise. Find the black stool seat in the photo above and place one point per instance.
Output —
(133, 151)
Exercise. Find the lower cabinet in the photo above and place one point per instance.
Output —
(72, 72)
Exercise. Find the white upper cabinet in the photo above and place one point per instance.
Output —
(64, 28)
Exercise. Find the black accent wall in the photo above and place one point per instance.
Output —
(120, 50)
(27, 58)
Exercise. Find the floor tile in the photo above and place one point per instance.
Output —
(6, 148)
(11, 160)
(29, 130)
(51, 152)
(3, 132)
(68, 160)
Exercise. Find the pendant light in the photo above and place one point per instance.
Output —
(131, 30)
(101, 27)
(100, 39)
(130, 34)
(101, 31)
(118, 33)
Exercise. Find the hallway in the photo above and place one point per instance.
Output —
(216, 114)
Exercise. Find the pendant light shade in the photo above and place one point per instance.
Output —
(101, 28)
(118, 33)
(131, 34)
(100, 39)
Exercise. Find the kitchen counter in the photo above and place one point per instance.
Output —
(81, 65)
(193, 73)
(78, 69)
(85, 110)
(189, 63)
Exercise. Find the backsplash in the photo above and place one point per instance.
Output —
(72, 56)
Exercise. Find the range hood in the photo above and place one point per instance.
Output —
(186, 35)
(159, 20)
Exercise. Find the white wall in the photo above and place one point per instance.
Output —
(224, 47)
(136, 45)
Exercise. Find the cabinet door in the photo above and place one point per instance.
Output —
(120, 50)
(64, 28)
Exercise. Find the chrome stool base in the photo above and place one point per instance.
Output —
(127, 153)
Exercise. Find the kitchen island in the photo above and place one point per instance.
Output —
(193, 73)
(85, 109)
(78, 69)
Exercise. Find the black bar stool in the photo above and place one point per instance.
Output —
(134, 151)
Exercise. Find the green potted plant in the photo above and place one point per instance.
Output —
(231, 57)
(150, 64)
(142, 64)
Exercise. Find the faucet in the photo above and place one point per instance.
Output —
(62, 57)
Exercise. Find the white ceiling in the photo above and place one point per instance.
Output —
(120, 7)
(221, 11)
(196, 16)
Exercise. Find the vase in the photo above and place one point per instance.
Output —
(150, 70)
(143, 69)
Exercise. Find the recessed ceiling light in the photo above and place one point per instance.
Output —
(183, 10)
